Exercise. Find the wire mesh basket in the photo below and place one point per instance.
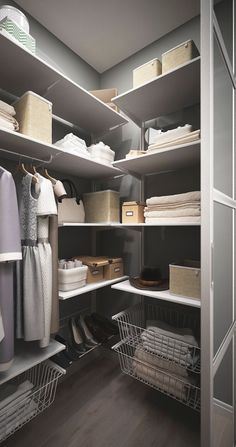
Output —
(27, 395)
(161, 349)
(184, 390)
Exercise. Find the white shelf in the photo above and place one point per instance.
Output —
(165, 295)
(134, 225)
(20, 145)
(89, 288)
(165, 94)
(173, 158)
(27, 355)
(23, 71)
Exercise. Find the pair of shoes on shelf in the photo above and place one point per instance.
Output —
(109, 327)
(100, 327)
(81, 338)
(70, 352)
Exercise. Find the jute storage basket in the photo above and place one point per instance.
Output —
(185, 279)
(34, 115)
(146, 72)
(179, 55)
(102, 207)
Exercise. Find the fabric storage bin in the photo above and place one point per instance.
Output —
(146, 72)
(185, 279)
(106, 96)
(71, 279)
(95, 266)
(102, 206)
(27, 395)
(115, 268)
(14, 31)
(179, 55)
(133, 212)
(34, 115)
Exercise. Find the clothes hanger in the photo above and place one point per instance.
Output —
(21, 168)
(49, 177)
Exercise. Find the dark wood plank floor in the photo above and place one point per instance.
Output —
(100, 407)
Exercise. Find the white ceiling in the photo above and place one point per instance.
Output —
(105, 32)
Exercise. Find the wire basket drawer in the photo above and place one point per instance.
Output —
(173, 352)
(23, 398)
(185, 390)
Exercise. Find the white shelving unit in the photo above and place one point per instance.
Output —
(89, 288)
(172, 158)
(165, 94)
(70, 101)
(125, 286)
(27, 358)
(134, 225)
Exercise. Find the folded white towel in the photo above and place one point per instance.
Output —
(4, 124)
(193, 196)
(12, 397)
(193, 136)
(184, 335)
(166, 220)
(173, 206)
(157, 136)
(173, 213)
(159, 362)
(22, 415)
(7, 108)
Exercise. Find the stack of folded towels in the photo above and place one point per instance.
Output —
(177, 136)
(166, 358)
(7, 120)
(184, 207)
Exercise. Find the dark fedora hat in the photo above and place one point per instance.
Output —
(150, 279)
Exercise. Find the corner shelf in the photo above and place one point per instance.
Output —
(169, 92)
(168, 159)
(18, 145)
(89, 288)
(125, 286)
(70, 101)
(28, 354)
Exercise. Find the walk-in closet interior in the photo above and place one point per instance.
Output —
(117, 223)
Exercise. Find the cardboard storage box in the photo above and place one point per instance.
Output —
(34, 115)
(133, 212)
(115, 268)
(146, 72)
(185, 279)
(106, 96)
(179, 55)
(102, 206)
(95, 267)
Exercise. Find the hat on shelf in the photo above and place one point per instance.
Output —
(150, 279)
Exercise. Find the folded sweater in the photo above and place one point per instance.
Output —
(165, 220)
(193, 196)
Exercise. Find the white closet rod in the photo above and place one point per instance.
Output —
(27, 156)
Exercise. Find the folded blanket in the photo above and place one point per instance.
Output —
(19, 419)
(173, 213)
(184, 335)
(166, 220)
(161, 342)
(174, 206)
(4, 124)
(159, 362)
(186, 360)
(193, 196)
(4, 107)
(188, 138)
(12, 394)
(161, 380)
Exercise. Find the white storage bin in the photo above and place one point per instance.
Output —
(71, 279)
(179, 55)
(34, 115)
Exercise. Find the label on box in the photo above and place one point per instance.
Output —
(117, 269)
(129, 213)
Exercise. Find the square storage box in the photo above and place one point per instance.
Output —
(71, 279)
(34, 115)
(146, 72)
(185, 279)
(115, 268)
(133, 212)
(95, 266)
(102, 207)
(106, 96)
(179, 55)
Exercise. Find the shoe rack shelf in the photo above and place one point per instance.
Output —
(165, 295)
(89, 288)
(27, 358)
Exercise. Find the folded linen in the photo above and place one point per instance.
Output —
(159, 362)
(73, 144)
(4, 107)
(174, 213)
(161, 380)
(102, 153)
(16, 421)
(4, 124)
(193, 136)
(195, 205)
(158, 136)
(13, 393)
(185, 360)
(165, 220)
(184, 335)
(192, 196)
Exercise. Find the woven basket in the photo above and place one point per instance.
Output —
(179, 55)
